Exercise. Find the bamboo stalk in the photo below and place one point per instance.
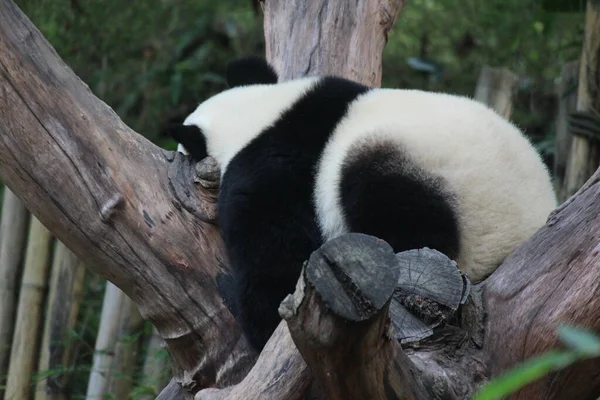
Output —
(112, 308)
(131, 326)
(23, 355)
(13, 231)
(64, 299)
(156, 371)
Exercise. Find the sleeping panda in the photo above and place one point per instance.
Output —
(307, 160)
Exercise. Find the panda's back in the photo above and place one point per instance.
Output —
(492, 178)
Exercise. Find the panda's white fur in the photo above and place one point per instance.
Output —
(304, 160)
(504, 190)
(231, 119)
(484, 158)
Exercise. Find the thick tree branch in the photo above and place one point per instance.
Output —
(110, 196)
(551, 279)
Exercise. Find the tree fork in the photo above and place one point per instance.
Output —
(131, 212)
(116, 201)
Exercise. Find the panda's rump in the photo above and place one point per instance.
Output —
(386, 194)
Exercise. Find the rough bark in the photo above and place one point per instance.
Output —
(495, 87)
(128, 209)
(306, 38)
(584, 156)
(279, 373)
(551, 279)
(338, 318)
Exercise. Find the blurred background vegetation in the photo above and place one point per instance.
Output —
(153, 61)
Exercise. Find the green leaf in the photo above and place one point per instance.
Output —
(524, 374)
(580, 340)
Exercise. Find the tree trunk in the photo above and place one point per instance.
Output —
(325, 37)
(584, 157)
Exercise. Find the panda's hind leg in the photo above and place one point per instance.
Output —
(386, 194)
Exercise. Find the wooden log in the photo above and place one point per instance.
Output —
(495, 87)
(23, 354)
(584, 156)
(567, 103)
(13, 231)
(338, 318)
(62, 308)
(279, 373)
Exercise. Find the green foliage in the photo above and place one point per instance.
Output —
(581, 345)
(154, 61)
(149, 60)
(461, 36)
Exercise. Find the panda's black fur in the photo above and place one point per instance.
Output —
(266, 200)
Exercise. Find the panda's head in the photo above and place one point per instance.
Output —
(224, 123)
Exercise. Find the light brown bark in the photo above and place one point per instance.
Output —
(325, 37)
(128, 209)
(549, 280)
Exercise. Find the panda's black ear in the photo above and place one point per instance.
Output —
(250, 70)
(190, 137)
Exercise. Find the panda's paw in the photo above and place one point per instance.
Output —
(208, 173)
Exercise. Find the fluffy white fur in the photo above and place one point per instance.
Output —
(231, 119)
(504, 190)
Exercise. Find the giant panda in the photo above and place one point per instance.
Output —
(307, 160)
